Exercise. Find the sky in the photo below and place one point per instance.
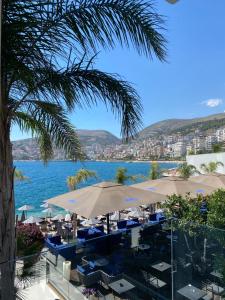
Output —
(190, 84)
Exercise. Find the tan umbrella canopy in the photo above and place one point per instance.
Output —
(104, 198)
(215, 180)
(175, 185)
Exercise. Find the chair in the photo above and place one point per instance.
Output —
(122, 225)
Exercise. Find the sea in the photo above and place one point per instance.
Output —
(46, 181)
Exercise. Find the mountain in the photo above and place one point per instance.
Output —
(95, 141)
(184, 126)
(101, 137)
(28, 149)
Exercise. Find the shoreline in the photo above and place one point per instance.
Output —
(109, 161)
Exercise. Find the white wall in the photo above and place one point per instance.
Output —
(199, 159)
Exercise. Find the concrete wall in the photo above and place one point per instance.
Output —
(199, 159)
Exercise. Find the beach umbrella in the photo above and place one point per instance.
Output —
(104, 198)
(26, 207)
(90, 222)
(67, 217)
(215, 180)
(175, 185)
(58, 217)
(46, 205)
(48, 210)
(32, 220)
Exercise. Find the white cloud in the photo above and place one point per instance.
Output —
(213, 102)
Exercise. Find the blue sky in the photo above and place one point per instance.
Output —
(191, 84)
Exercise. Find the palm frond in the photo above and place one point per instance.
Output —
(49, 123)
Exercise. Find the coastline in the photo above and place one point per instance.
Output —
(109, 161)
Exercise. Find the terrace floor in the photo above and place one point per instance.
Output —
(40, 290)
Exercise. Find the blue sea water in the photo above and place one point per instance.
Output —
(46, 181)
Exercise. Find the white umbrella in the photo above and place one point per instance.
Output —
(46, 205)
(59, 217)
(32, 220)
(26, 207)
(90, 222)
(67, 217)
(48, 210)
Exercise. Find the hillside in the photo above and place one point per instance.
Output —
(183, 126)
(101, 137)
(28, 149)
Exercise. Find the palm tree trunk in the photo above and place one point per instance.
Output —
(7, 213)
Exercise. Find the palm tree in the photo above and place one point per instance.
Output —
(185, 170)
(82, 175)
(47, 69)
(18, 175)
(155, 171)
(211, 167)
(121, 176)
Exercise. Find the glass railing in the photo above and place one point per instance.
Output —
(154, 261)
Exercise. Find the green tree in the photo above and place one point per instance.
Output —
(155, 171)
(81, 175)
(18, 175)
(186, 170)
(216, 209)
(48, 69)
(121, 176)
(217, 148)
(211, 167)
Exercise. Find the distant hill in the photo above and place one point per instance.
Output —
(28, 149)
(101, 137)
(91, 139)
(184, 126)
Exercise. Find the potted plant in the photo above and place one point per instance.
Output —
(90, 293)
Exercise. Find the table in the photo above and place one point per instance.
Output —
(121, 286)
(215, 289)
(161, 266)
(217, 274)
(144, 247)
(191, 292)
(100, 262)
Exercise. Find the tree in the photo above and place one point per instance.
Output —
(216, 209)
(47, 70)
(186, 170)
(211, 167)
(82, 175)
(217, 148)
(18, 175)
(155, 171)
(121, 176)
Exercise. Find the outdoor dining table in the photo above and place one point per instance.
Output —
(191, 292)
(121, 286)
(215, 289)
(216, 274)
(161, 266)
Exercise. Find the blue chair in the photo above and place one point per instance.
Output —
(122, 225)
(131, 224)
(100, 227)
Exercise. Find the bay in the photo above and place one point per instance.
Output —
(46, 181)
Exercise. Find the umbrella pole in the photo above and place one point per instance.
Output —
(108, 229)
